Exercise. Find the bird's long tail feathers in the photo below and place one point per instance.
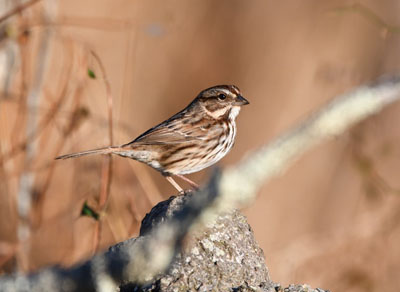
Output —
(105, 150)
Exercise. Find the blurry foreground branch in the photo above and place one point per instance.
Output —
(141, 260)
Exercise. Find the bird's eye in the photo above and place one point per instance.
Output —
(221, 96)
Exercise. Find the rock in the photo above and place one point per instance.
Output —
(223, 256)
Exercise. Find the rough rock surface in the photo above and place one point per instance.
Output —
(223, 256)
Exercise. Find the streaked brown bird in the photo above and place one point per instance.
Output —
(191, 140)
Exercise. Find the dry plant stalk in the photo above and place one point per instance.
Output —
(106, 170)
(23, 140)
(18, 9)
(27, 132)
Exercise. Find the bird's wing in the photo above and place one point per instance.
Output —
(172, 131)
(164, 135)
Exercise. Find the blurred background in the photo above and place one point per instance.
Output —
(332, 220)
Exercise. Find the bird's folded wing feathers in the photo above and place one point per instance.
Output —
(173, 134)
(164, 136)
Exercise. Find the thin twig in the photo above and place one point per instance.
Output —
(18, 9)
(106, 171)
(52, 114)
(103, 24)
(109, 96)
(34, 135)
(370, 15)
(27, 179)
(334, 118)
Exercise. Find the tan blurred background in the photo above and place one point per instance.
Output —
(332, 220)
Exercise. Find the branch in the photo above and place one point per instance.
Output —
(240, 183)
(27, 178)
(17, 9)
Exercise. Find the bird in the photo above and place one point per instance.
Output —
(191, 140)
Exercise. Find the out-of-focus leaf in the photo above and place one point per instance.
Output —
(91, 74)
(88, 211)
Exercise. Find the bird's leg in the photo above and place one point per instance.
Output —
(192, 183)
(175, 184)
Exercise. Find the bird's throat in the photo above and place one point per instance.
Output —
(233, 113)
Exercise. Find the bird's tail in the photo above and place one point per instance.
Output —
(105, 150)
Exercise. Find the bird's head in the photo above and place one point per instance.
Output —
(221, 101)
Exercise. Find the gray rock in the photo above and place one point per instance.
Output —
(223, 256)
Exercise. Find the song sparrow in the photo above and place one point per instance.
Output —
(191, 140)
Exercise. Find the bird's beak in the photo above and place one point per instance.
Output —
(240, 100)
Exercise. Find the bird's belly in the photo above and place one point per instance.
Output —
(195, 166)
(198, 161)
